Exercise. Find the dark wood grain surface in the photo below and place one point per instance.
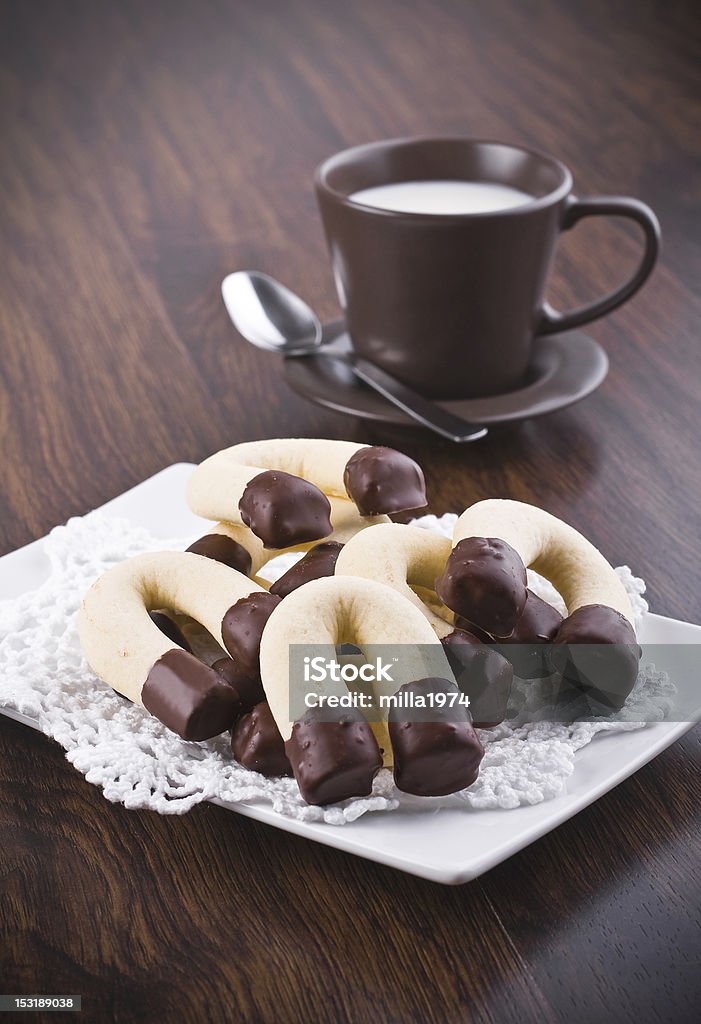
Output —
(145, 151)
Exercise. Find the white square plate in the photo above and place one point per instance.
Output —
(445, 845)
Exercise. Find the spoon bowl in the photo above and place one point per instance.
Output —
(269, 315)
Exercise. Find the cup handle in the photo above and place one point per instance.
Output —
(608, 206)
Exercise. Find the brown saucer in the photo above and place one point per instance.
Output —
(564, 369)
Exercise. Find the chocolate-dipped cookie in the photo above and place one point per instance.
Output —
(323, 614)
(128, 650)
(248, 686)
(188, 697)
(537, 626)
(256, 743)
(380, 479)
(435, 753)
(484, 582)
(318, 562)
(242, 628)
(597, 652)
(284, 510)
(223, 549)
(333, 760)
(483, 674)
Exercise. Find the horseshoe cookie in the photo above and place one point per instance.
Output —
(281, 488)
(544, 543)
(484, 582)
(336, 759)
(127, 650)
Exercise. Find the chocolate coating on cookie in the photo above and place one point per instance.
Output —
(223, 549)
(171, 629)
(284, 510)
(256, 743)
(188, 697)
(596, 650)
(483, 674)
(382, 480)
(437, 756)
(484, 581)
(478, 635)
(249, 687)
(538, 624)
(333, 760)
(596, 624)
(320, 561)
(242, 627)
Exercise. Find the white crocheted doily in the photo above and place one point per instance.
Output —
(140, 763)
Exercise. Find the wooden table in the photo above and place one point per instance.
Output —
(147, 150)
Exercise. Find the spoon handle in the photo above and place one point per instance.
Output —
(421, 409)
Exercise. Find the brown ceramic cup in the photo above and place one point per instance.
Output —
(451, 303)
